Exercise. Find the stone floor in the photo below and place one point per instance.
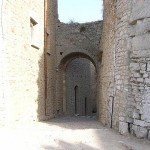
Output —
(67, 133)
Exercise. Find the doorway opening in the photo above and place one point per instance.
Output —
(80, 87)
(85, 105)
(76, 96)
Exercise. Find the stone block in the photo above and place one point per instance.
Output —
(136, 114)
(149, 134)
(141, 88)
(139, 105)
(141, 132)
(137, 75)
(140, 79)
(141, 111)
(141, 43)
(147, 80)
(123, 128)
(141, 53)
(139, 27)
(145, 75)
(146, 109)
(122, 119)
(129, 113)
(130, 120)
(134, 66)
(134, 127)
(148, 67)
(143, 66)
(141, 123)
(140, 10)
(142, 72)
(146, 24)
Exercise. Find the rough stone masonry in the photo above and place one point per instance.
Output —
(124, 75)
(78, 43)
(31, 79)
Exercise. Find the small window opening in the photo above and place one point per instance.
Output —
(76, 93)
(82, 29)
(61, 53)
(33, 23)
(85, 106)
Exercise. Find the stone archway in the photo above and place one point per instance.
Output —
(72, 43)
(80, 83)
(61, 81)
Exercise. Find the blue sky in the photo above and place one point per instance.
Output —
(79, 10)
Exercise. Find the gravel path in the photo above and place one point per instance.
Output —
(67, 133)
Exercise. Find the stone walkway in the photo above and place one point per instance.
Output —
(67, 133)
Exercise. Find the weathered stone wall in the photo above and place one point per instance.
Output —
(74, 41)
(24, 71)
(105, 87)
(50, 59)
(81, 38)
(139, 27)
(124, 78)
(32, 71)
(27, 62)
(80, 87)
(122, 87)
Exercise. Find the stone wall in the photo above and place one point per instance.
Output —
(126, 71)
(24, 59)
(105, 87)
(139, 27)
(74, 40)
(27, 62)
(81, 38)
(50, 59)
(80, 87)
(32, 71)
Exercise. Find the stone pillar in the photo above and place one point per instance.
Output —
(52, 17)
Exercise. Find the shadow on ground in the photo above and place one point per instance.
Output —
(86, 133)
(74, 123)
(68, 146)
(68, 133)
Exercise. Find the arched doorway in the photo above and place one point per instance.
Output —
(76, 85)
(80, 84)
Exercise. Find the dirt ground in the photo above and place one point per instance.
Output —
(67, 133)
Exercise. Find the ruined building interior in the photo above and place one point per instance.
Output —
(49, 68)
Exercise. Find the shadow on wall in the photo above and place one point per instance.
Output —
(40, 102)
(46, 81)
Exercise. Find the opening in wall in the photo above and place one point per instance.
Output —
(76, 95)
(85, 106)
(80, 87)
(33, 27)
